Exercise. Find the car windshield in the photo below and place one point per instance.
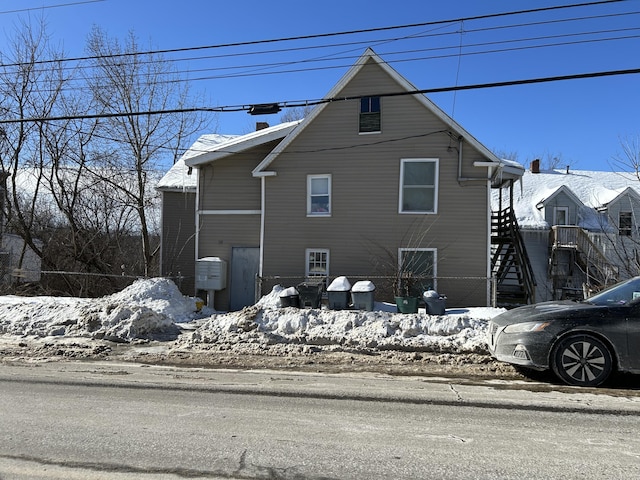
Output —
(621, 294)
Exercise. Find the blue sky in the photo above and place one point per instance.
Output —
(581, 121)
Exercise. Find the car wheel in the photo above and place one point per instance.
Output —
(582, 360)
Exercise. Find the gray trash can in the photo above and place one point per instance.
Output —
(435, 302)
(338, 294)
(362, 295)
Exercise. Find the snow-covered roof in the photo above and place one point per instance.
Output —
(241, 143)
(592, 190)
(179, 176)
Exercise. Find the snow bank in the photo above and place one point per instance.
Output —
(458, 331)
(147, 307)
(154, 307)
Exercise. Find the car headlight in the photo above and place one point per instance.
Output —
(526, 327)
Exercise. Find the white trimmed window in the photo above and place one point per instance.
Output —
(418, 185)
(370, 115)
(561, 215)
(319, 195)
(421, 264)
(317, 262)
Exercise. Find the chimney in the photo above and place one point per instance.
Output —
(261, 125)
(535, 166)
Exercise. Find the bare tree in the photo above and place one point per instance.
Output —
(28, 90)
(124, 81)
(295, 113)
(628, 160)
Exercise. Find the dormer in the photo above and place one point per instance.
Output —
(623, 212)
(560, 207)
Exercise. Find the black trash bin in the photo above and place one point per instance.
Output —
(310, 293)
(289, 298)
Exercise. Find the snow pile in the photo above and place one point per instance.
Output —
(145, 308)
(155, 308)
(264, 323)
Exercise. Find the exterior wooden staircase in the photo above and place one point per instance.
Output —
(515, 282)
(574, 259)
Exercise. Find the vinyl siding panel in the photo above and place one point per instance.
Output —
(178, 239)
(561, 200)
(227, 184)
(218, 234)
(365, 224)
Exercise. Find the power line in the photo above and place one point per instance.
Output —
(324, 35)
(303, 103)
(460, 54)
(73, 4)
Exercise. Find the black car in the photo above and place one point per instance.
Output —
(581, 342)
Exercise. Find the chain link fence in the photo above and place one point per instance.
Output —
(460, 291)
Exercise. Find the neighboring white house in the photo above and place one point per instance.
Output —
(12, 269)
(580, 228)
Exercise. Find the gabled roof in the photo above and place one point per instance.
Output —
(509, 168)
(179, 177)
(595, 191)
(242, 143)
(554, 193)
(616, 196)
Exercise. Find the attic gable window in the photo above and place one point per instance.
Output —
(369, 115)
(625, 224)
(418, 185)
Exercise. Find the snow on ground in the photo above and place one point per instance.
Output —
(153, 307)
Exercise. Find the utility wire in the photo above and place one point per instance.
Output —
(329, 34)
(304, 103)
(73, 4)
(461, 53)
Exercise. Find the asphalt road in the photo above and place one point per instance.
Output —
(117, 421)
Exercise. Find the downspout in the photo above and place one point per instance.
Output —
(462, 179)
(263, 198)
(197, 219)
(486, 179)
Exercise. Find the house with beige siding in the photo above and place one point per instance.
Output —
(376, 179)
(178, 196)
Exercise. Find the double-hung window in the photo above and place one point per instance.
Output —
(625, 224)
(317, 262)
(319, 195)
(418, 185)
(369, 115)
